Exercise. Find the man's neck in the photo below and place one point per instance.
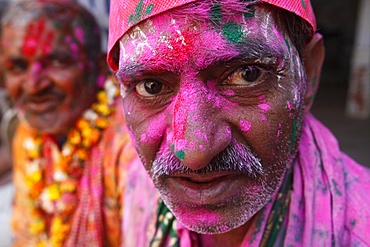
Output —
(233, 238)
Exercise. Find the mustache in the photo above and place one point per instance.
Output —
(236, 157)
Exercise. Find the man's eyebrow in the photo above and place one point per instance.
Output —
(129, 70)
(256, 49)
(250, 50)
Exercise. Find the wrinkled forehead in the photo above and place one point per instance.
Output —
(126, 14)
(197, 38)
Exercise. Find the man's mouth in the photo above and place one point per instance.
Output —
(204, 189)
(43, 103)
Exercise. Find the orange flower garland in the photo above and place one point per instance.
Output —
(58, 198)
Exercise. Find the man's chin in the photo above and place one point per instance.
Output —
(214, 219)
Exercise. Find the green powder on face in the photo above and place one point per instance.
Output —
(232, 32)
(216, 14)
(180, 154)
(287, 44)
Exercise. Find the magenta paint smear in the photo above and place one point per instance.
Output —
(37, 39)
(179, 120)
(72, 45)
(279, 131)
(229, 92)
(79, 34)
(264, 107)
(245, 125)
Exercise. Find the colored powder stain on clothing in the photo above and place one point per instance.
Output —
(258, 227)
(304, 4)
(232, 32)
(245, 125)
(140, 13)
(293, 135)
(337, 191)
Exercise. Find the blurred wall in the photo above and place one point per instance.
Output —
(336, 20)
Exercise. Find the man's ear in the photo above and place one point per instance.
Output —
(313, 58)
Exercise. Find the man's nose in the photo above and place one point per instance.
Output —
(36, 79)
(199, 132)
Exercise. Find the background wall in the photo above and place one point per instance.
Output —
(336, 21)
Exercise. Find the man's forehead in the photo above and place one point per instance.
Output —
(161, 44)
(126, 14)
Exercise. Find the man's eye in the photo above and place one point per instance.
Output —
(244, 75)
(60, 62)
(16, 67)
(149, 88)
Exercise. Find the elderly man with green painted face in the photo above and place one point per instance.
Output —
(217, 97)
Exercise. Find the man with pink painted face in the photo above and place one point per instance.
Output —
(71, 148)
(217, 97)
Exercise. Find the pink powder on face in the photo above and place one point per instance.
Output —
(229, 92)
(264, 107)
(245, 125)
(279, 131)
(179, 118)
(72, 45)
(79, 34)
(262, 104)
(143, 138)
(288, 105)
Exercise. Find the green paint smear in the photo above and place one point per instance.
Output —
(149, 9)
(232, 32)
(139, 8)
(304, 4)
(180, 154)
(287, 44)
(337, 191)
(216, 14)
(294, 135)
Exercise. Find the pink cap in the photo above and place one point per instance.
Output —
(126, 13)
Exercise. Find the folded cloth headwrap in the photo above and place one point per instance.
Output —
(126, 13)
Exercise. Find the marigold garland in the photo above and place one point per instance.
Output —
(57, 198)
